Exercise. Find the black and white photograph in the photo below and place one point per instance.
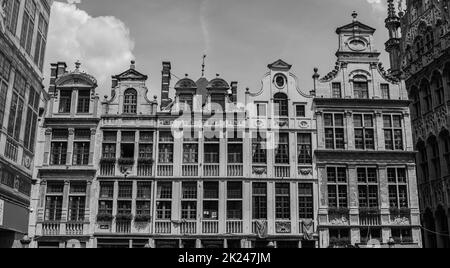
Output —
(242, 126)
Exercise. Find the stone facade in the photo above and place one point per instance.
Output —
(418, 47)
(23, 31)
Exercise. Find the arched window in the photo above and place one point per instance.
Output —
(130, 102)
(445, 141)
(281, 105)
(360, 87)
(438, 88)
(420, 48)
(415, 96)
(429, 38)
(427, 97)
(436, 161)
(423, 160)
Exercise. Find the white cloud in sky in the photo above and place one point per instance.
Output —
(204, 24)
(102, 44)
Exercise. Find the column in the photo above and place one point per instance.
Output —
(407, 132)
(73, 105)
(413, 194)
(294, 208)
(379, 124)
(222, 206)
(320, 131)
(133, 202)
(115, 197)
(349, 133)
(199, 207)
(92, 146)
(177, 153)
(70, 146)
(384, 194)
(223, 153)
(65, 207)
(176, 206)
(246, 207)
(87, 209)
(353, 195)
(47, 146)
(271, 207)
(293, 154)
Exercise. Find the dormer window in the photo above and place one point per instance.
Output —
(360, 87)
(218, 100)
(186, 102)
(83, 101)
(65, 101)
(280, 101)
(130, 102)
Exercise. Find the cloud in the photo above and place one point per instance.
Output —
(378, 5)
(102, 44)
(204, 24)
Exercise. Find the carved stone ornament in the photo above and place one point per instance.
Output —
(283, 227)
(260, 170)
(305, 171)
(399, 220)
(2, 16)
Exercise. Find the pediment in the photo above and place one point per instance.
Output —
(76, 80)
(351, 27)
(131, 74)
(280, 65)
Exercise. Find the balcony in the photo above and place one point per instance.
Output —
(190, 170)
(123, 227)
(235, 170)
(210, 227)
(282, 171)
(165, 170)
(108, 167)
(74, 228)
(11, 150)
(339, 216)
(369, 217)
(211, 170)
(51, 228)
(188, 227)
(235, 227)
(144, 170)
(163, 227)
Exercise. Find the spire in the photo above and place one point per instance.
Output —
(391, 9)
(203, 66)
(393, 25)
(355, 16)
(77, 66)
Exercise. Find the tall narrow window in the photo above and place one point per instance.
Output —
(261, 109)
(58, 155)
(259, 148)
(165, 148)
(143, 203)
(130, 101)
(367, 187)
(12, 15)
(81, 147)
(423, 161)
(189, 201)
(28, 22)
(305, 201)
(300, 110)
(337, 187)
(164, 201)
(398, 188)
(304, 148)
(393, 132)
(65, 101)
(281, 105)
(105, 203)
(438, 87)
(109, 145)
(77, 201)
(31, 120)
(336, 90)
(360, 87)
(334, 131)
(259, 201)
(53, 201)
(385, 92)
(427, 97)
(417, 105)
(211, 200)
(190, 150)
(5, 71)
(234, 200)
(212, 150)
(282, 150)
(282, 201)
(84, 100)
(364, 132)
(41, 40)
(436, 160)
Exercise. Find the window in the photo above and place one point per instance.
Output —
(165, 149)
(436, 160)
(105, 203)
(402, 235)
(59, 147)
(280, 81)
(337, 187)
(304, 148)
(53, 201)
(143, 208)
(130, 102)
(3, 93)
(123, 207)
(77, 201)
(125, 190)
(334, 131)
(17, 106)
(339, 237)
(282, 150)
(12, 15)
(282, 201)
(259, 148)
(109, 148)
(360, 87)
(281, 106)
(427, 97)
(261, 109)
(259, 201)
(186, 102)
(364, 132)
(41, 40)
(31, 120)
(305, 201)
(398, 188)
(145, 151)
(385, 92)
(211, 200)
(211, 153)
(65, 101)
(28, 22)
(300, 110)
(106, 190)
(336, 90)
(189, 201)
(438, 88)
(417, 105)
(235, 154)
(367, 187)
(164, 203)
(105, 207)
(84, 99)
(81, 147)
(190, 150)
(393, 132)
(234, 200)
(218, 103)
(144, 190)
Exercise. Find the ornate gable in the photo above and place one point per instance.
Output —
(280, 65)
(131, 75)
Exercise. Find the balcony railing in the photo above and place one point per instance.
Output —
(282, 171)
(51, 228)
(210, 227)
(235, 170)
(369, 217)
(211, 170)
(165, 170)
(108, 169)
(123, 227)
(163, 227)
(74, 228)
(11, 150)
(144, 170)
(190, 170)
(188, 227)
(235, 227)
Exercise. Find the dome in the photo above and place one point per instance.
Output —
(218, 83)
(185, 83)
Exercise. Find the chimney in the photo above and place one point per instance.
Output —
(166, 76)
(114, 82)
(234, 86)
(56, 70)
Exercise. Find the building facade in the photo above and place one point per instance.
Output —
(23, 35)
(365, 158)
(418, 46)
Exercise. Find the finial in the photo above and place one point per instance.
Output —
(186, 75)
(77, 65)
(217, 75)
(133, 64)
(203, 66)
(391, 9)
(354, 15)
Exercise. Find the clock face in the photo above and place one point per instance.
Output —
(357, 45)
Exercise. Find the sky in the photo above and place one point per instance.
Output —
(239, 37)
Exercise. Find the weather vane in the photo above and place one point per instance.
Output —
(203, 65)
